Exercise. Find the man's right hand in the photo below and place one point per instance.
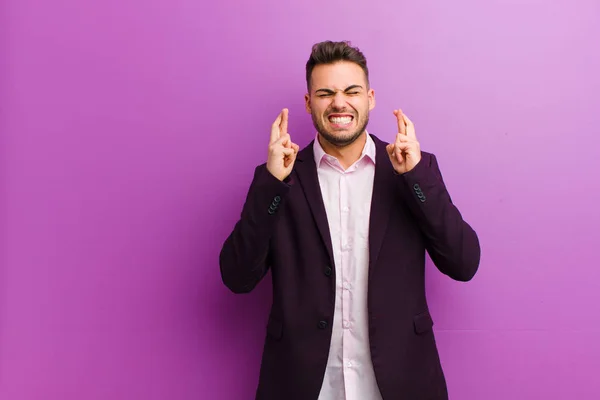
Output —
(282, 151)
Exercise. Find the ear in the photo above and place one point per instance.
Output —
(307, 102)
(371, 95)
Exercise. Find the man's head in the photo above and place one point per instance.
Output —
(339, 96)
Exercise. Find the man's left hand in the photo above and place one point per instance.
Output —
(405, 152)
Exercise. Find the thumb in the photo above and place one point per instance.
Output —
(287, 151)
(390, 149)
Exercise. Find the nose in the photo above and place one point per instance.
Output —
(339, 101)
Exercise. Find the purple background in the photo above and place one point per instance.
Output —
(129, 134)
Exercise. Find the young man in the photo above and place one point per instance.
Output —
(344, 225)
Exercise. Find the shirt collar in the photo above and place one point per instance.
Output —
(368, 150)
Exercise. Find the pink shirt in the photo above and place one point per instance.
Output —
(347, 197)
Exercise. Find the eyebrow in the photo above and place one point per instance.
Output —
(345, 90)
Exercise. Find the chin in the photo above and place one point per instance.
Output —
(340, 139)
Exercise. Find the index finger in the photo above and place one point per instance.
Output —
(275, 128)
(401, 125)
(284, 121)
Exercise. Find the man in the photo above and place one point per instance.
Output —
(344, 225)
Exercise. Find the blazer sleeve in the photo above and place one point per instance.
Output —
(450, 241)
(244, 257)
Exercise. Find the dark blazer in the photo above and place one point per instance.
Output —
(283, 227)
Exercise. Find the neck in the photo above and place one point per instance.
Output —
(346, 155)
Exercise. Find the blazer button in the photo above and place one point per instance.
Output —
(322, 324)
(328, 271)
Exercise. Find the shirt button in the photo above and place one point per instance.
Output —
(346, 285)
(349, 364)
(346, 324)
(346, 209)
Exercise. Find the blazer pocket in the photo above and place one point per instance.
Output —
(274, 328)
(423, 322)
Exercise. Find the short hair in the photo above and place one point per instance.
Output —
(329, 52)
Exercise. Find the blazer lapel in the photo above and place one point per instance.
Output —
(306, 171)
(381, 203)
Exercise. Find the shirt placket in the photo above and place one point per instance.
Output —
(346, 246)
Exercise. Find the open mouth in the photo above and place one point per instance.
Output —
(340, 120)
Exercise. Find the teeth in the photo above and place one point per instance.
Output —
(341, 120)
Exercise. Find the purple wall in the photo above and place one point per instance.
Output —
(129, 134)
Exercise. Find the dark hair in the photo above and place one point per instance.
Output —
(329, 52)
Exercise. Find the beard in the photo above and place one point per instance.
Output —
(338, 139)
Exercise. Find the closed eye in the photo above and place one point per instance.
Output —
(351, 90)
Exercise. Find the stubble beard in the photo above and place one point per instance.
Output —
(337, 140)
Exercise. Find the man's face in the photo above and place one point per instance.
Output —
(339, 102)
